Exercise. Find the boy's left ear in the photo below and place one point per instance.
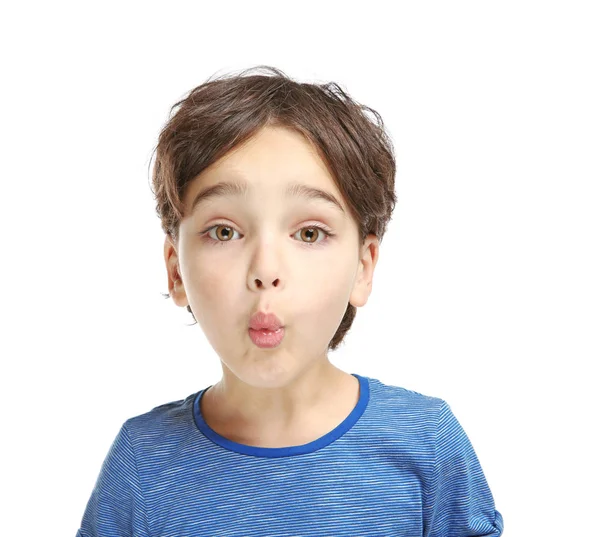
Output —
(364, 277)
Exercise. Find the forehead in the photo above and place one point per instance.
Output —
(274, 150)
(274, 160)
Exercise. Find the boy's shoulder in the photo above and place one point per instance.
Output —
(403, 397)
(163, 419)
(403, 410)
(403, 420)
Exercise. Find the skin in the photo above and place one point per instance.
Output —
(267, 260)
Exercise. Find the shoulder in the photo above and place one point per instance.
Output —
(404, 416)
(405, 401)
(163, 423)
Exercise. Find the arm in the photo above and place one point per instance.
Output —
(116, 506)
(458, 501)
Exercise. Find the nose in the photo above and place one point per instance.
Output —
(259, 283)
(265, 265)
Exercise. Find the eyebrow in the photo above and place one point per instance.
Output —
(294, 190)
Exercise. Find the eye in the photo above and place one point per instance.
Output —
(227, 234)
(313, 233)
(224, 232)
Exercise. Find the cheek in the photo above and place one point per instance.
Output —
(211, 292)
(331, 276)
(205, 278)
(322, 297)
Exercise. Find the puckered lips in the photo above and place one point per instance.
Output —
(266, 330)
(265, 321)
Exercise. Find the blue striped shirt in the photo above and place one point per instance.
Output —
(399, 465)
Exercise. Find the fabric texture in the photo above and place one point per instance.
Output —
(399, 465)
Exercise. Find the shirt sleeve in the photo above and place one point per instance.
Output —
(116, 507)
(458, 502)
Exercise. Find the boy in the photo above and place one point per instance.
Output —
(274, 197)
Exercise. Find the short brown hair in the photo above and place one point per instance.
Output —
(224, 112)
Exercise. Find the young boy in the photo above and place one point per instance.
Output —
(274, 197)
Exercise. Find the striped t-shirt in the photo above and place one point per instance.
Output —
(399, 465)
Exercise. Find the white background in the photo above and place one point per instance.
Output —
(486, 293)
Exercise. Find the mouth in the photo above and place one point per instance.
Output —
(265, 338)
(265, 321)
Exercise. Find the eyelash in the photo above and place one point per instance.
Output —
(216, 242)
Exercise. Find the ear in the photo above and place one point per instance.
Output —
(174, 280)
(363, 283)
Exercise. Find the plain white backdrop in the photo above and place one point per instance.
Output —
(487, 290)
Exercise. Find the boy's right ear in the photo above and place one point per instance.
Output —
(175, 282)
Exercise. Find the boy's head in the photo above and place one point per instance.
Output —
(240, 251)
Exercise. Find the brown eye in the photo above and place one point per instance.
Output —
(223, 236)
(312, 233)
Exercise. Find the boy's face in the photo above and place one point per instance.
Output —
(265, 255)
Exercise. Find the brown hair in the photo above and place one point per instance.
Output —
(222, 113)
